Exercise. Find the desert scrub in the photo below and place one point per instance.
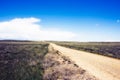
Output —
(58, 67)
(110, 49)
(22, 61)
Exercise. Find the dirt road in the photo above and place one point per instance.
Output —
(102, 67)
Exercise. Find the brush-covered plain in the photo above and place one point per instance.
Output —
(110, 49)
(22, 60)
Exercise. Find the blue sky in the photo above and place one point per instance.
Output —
(89, 20)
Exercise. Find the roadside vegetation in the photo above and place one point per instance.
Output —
(26, 60)
(110, 49)
(22, 61)
(59, 67)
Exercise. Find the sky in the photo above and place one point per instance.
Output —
(63, 20)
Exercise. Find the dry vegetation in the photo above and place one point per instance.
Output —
(110, 49)
(20, 61)
(58, 67)
(26, 60)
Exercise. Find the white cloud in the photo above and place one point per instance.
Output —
(29, 29)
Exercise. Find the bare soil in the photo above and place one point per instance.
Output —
(59, 67)
(102, 67)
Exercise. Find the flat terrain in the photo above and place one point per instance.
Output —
(22, 60)
(102, 67)
(31, 60)
(110, 49)
(28, 60)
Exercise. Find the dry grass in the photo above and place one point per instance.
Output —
(110, 49)
(58, 67)
(30, 61)
(21, 61)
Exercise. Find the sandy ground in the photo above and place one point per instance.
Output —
(59, 67)
(104, 68)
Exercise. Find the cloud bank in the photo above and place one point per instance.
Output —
(30, 29)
